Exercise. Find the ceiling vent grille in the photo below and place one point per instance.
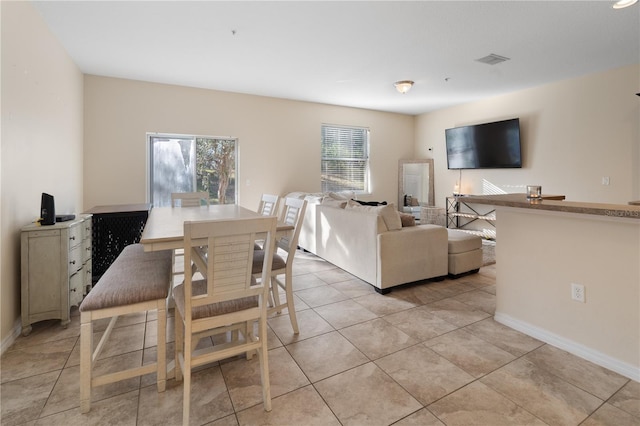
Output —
(492, 59)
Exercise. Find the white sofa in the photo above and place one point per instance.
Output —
(358, 240)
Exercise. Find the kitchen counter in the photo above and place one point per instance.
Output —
(555, 203)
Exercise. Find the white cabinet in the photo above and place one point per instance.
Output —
(56, 270)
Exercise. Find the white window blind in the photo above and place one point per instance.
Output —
(345, 159)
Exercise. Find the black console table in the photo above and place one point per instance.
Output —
(113, 228)
(460, 215)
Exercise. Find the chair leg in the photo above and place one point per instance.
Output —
(186, 403)
(161, 361)
(86, 363)
(275, 291)
(263, 358)
(179, 344)
(288, 290)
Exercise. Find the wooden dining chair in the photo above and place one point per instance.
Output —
(269, 205)
(189, 199)
(292, 214)
(227, 299)
(186, 199)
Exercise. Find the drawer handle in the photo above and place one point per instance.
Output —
(72, 289)
(73, 262)
(73, 238)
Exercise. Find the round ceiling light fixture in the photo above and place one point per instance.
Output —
(621, 4)
(403, 86)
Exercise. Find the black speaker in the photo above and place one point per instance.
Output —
(47, 210)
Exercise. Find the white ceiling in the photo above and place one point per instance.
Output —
(348, 53)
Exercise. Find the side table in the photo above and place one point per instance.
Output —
(114, 228)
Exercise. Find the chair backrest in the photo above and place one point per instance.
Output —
(269, 205)
(189, 199)
(223, 253)
(292, 214)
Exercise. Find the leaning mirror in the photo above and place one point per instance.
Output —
(415, 185)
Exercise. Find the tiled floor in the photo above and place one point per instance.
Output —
(428, 354)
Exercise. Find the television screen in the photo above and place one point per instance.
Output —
(484, 146)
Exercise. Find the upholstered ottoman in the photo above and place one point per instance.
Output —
(465, 252)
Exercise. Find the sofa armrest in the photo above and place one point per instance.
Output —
(411, 254)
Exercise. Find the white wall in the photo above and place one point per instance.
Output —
(41, 139)
(279, 139)
(574, 132)
(540, 254)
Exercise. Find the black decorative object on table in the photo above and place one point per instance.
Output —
(113, 228)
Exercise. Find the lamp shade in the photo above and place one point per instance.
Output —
(403, 86)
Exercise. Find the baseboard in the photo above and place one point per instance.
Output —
(8, 341)
(628, 370)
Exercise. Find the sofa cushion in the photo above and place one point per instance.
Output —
(389, 214)
(461, 242)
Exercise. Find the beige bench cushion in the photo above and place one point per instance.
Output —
(134, 277)
(461, 242)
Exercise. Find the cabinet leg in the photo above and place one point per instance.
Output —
(26, 330)
(65, 323)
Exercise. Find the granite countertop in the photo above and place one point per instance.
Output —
(521, 200)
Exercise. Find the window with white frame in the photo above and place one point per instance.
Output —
(185, 163)
(345, 159)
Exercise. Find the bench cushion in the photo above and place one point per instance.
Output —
(134, 277)
(461, 242)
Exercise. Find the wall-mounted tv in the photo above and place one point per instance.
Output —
(493, 145)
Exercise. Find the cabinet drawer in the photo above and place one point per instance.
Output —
(87, 229)
(76, 283)
(75, 235)
(75, 259)
(86, 250)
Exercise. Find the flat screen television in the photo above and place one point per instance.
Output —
(493, 145)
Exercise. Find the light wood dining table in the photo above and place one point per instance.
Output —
(164, 229)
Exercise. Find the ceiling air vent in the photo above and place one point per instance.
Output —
(492, 59)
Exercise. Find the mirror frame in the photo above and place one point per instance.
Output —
(401, 164)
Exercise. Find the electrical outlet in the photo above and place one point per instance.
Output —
(577, 292)
(605, 180)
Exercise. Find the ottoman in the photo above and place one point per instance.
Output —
(465, 252)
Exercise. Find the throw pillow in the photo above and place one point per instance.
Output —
(332, 202)
(389, 214)
(391, 217)
(407, 219)
(344, 195)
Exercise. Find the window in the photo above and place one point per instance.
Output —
(182, 163)
(345, 159)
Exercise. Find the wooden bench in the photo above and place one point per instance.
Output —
(135, 282)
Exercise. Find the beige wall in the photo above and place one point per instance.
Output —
(540, 254)
(574, 132)
(41, 139)
(279, 139)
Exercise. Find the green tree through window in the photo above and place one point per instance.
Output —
(182, 163)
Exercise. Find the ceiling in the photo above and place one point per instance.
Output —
(348, 53)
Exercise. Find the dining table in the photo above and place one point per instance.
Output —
(164, 229)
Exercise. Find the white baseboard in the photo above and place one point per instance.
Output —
(8, 341)
(628, 370)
